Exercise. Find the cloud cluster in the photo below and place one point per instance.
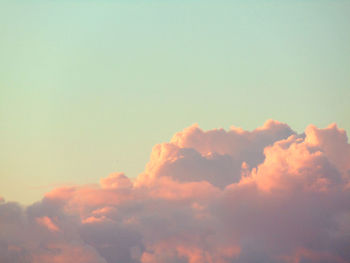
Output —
(268, 195)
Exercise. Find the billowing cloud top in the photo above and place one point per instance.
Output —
(268, 195)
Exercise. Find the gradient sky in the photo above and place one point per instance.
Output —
(89, 87)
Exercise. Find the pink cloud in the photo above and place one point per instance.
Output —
(267, 195)
(117, 180)
(48, 223)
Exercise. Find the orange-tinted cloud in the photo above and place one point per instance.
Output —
(48, 223)
(267, 195)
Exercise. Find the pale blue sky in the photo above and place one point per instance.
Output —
(88, 87)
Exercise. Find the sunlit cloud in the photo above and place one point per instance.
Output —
(267, 195)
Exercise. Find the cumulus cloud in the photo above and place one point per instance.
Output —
(267, 195)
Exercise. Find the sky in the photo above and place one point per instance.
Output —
(87, 88)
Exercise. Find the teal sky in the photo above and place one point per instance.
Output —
(88, 87)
